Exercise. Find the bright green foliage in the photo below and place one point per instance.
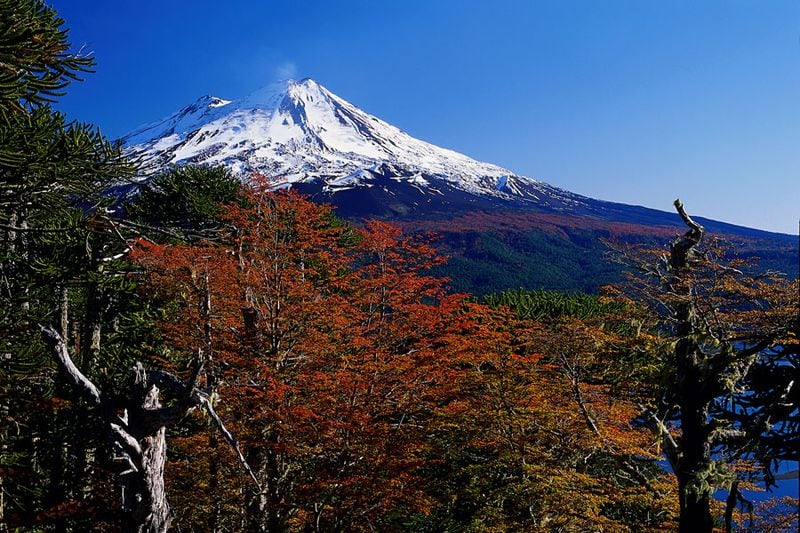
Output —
(483, 262)
(550, 305)
(44, 159)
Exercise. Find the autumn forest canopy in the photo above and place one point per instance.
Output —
(209, 354)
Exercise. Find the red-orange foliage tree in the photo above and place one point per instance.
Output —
(367, 397)
(332, 351)
(544, 436)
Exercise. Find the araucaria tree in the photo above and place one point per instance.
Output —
(52, 260)
(67, 312)
(717, 320)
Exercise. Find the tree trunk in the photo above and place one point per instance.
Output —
(274, 517)
(695, 453)
(62, 422)
(693, 398)
(695, 514)
(140, 433)
(140, 439)
(213, 483)
(90, 340)
(144, 493)
(255, 500)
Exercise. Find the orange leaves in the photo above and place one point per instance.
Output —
(554, 431)
(330, 353)
(359, 388)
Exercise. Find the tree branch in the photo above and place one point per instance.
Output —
(682, 246)
(671, 449)
(59, 348)
(694, 226)
(229, 438)
(35, 230)
(194, 397)
(191, 397)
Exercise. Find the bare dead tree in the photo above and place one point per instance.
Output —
(717, 321)
(693, 394)
(137, 425)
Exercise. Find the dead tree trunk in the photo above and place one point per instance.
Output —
(144, 496)
(138, 426)
(693, 392)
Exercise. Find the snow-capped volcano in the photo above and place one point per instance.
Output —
(300, 134)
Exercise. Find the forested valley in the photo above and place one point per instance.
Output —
(208, 354)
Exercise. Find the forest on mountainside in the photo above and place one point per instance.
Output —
(212, 355)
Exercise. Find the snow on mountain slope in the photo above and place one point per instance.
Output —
(299, 132)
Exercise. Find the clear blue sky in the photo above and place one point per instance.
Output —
(631, 101)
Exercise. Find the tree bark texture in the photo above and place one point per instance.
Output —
(139, 439)
(138, 426)
(144, 493)
(693, 394)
